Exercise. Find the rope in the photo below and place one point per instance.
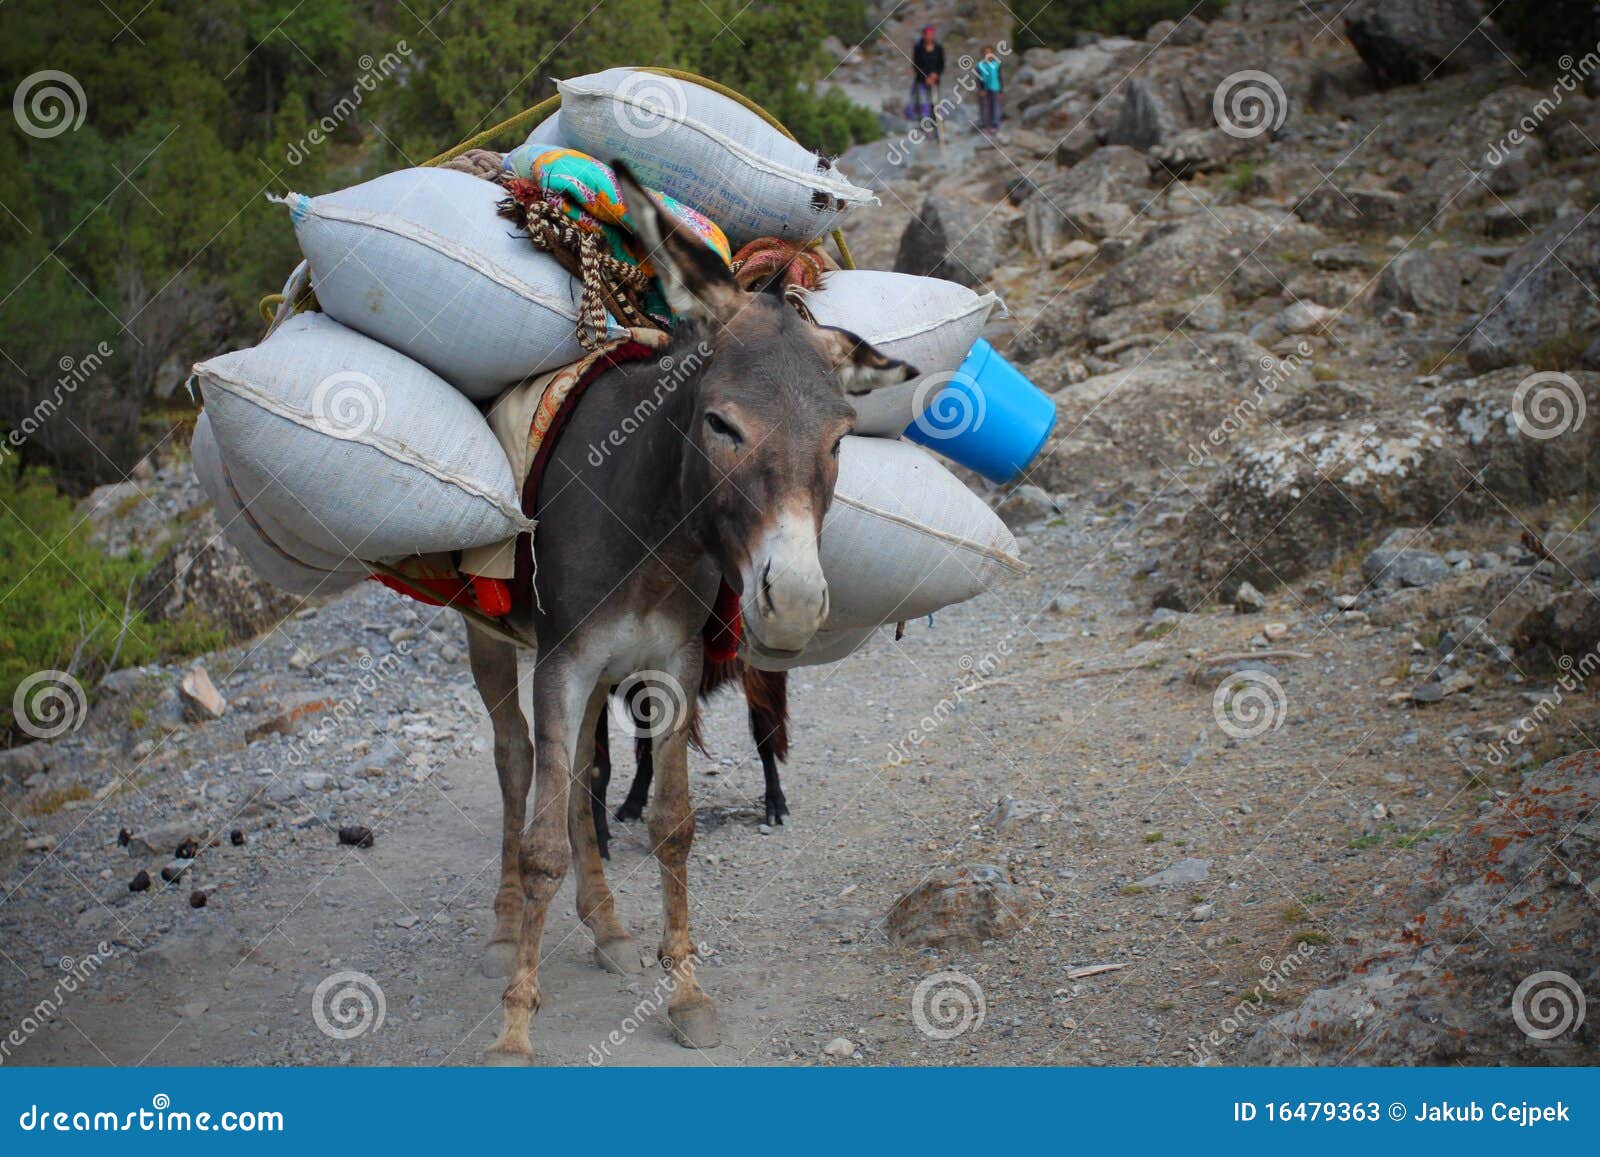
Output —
(609, 283)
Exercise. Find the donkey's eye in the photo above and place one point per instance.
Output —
(839, 442)
(722, 427)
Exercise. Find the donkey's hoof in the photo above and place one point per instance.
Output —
(499, 960)
(620, 957)
(695, 1024)
(502, 1056)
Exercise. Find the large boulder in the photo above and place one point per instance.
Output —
(1548, 292)
(205, 577)
(1094, 198)
(1406, 41)
(959, 907)
(1492, 951)
(1425, 281)
(1288, 503)
(953, 237)
(1200, 255)
(1179, 403)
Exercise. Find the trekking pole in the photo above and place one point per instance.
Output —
(938, 121)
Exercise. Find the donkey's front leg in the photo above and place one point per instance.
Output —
(691, 1011)
(560, 695)
(494, 670)
(614, 949)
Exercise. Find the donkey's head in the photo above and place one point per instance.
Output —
(763, 434)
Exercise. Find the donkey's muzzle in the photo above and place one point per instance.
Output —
(785, 595)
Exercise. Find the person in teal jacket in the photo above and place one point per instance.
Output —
(990, 88)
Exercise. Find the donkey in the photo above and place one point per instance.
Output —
(767, 700)
(726, 481)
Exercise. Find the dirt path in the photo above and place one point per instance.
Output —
(1120, 751)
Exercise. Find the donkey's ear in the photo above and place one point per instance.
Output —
(860, 367)
(693, 279)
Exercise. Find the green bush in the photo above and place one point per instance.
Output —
(57, 591)
(1544, 31)
(1054, 23)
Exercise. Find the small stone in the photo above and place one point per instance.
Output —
(316, 781)
(839, 1048)
(406, 922)
(1249, 601)
(236, 837)
(301, 659)
(140, 883)
(201, 698)
(1190, 870)
(1275, 631)
(1427, 693)
(1379, 812)
(193, 1009)
(1200, 913)
(197, 899)
(39, 844)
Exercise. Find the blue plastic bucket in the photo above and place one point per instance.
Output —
(988, 417)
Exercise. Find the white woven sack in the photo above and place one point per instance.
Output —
(905, 538)
(272, 552)
(420, 260)
(825, 647)
(548, 133)
(359, 450)
(926, 322)
(708, 151)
